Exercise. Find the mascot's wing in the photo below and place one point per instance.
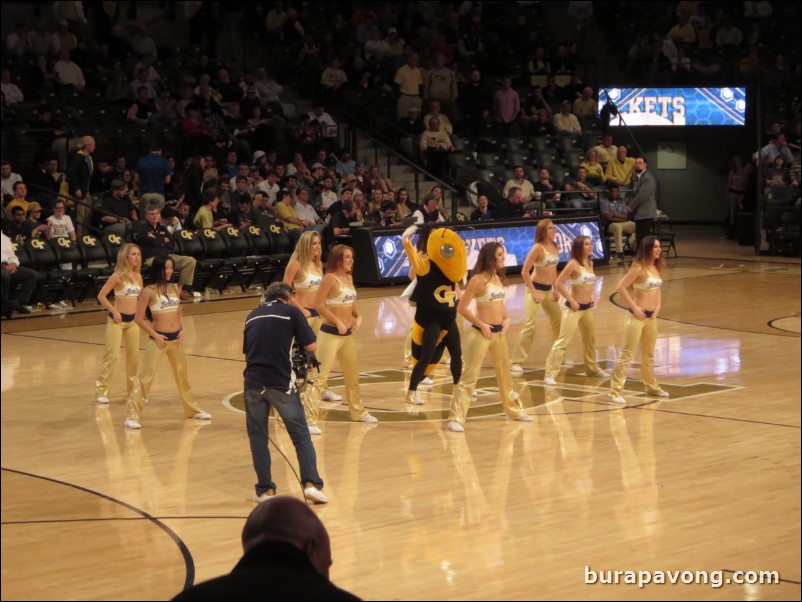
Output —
(418, 263)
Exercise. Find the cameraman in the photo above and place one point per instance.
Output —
(270, 332)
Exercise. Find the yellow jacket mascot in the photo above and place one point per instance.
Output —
(435, 329)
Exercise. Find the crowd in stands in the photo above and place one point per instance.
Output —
(94, 108)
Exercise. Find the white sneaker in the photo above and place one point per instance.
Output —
(202, 416)
(516, 369)
(521, 417)
(455, 426)
(329, 395)
(475, 394)
(264, 497)
(370, 419)
(413, 398)
(102, 399)
(617, 399)
(549, 380)
(658, 393)
(567, 362)
(132, 424)
(427, 382)
(313, 494)
(196, 295)
(602, 374)
(314, 430)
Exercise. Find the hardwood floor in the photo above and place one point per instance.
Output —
(708, 480)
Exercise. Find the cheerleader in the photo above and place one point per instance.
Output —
(166, 337)
(126, 282)
(335, 302)
(304, 273)
(579, 302)
(640, 288)
(541, 294)
(488, 332)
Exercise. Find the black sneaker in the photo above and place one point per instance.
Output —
(620, 257)
(23, 309)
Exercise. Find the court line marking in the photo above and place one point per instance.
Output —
(189, 563)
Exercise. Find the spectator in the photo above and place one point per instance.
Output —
(476, 104)
(385, 216)
(435, 144)
(441, 85)
(204, 218)
(59, 224)
(519, 180)
(12, 273)
(34, 224)
(615, 218)
(20, 194)
(429, 211)
(582, 196)
(512, 206)
(728, 35)
(285, 209)
(306, 213)
(605, 150)
(776, 175)
(139, 113)
(12, 92)
(434, 111)
(79, 177)
(63, 38)
(482, 211)
(409, 80)
(620, 169)
(154, 173)
(15, 228)
(585, 108)
(68, 74)
(118, 203)
(547, 191)
(286, 546)
(7, 179)
(506, 109)
(566, 122)
(776, 148)
(40, 39)
(593, 169)
(154, 239)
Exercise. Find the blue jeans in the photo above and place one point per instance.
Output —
(288, 406)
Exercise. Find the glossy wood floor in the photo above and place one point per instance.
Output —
(706, 481)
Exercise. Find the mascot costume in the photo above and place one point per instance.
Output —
(435, 328)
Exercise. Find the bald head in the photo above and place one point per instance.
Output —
(287, 519)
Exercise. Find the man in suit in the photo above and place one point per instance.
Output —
(644, 201)
(287, 557)
(79, 177)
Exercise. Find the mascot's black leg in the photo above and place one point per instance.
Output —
(452, 343)
(428, 346)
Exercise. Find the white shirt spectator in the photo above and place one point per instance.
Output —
(69, 74)
(270, 191)
(61, 227)
(7, 184)
(306, 213)
(7, 251)
(327, 199)
(12, 92)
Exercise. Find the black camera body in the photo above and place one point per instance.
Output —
(303, 361)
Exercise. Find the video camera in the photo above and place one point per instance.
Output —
(303, 361)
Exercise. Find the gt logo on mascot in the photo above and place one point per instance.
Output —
(444, 294)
